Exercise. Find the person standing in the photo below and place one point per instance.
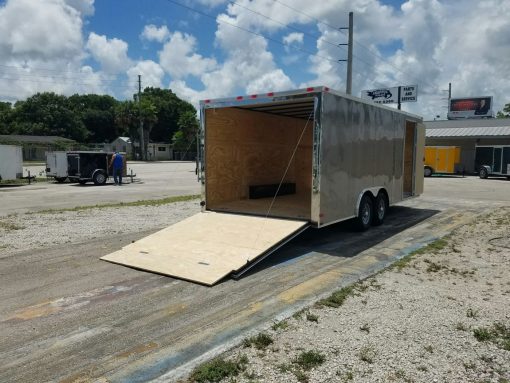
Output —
(117, 163)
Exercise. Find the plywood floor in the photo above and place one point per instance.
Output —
(288, 206)
(206, 247)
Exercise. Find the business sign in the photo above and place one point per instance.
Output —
(473, 107)
(408, 93)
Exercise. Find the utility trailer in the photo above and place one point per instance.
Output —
(11, 162)
(442, 160)
(492, 160)
(56, 166)
(272, 165)
(89, 166)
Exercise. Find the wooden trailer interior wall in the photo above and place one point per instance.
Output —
(246, 148)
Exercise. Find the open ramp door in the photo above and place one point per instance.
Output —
(208, 246)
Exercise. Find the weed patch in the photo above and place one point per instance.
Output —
(312, 318)
(309, 359)
(218, 369)
(367, 354)
(282, 325)
(260, 341)
(338, 298)
(8, 226)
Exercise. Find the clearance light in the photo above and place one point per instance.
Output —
(309, 89)
(326, 89)
(207, 101)
(239, 98)
(270, 94)
(253, 96)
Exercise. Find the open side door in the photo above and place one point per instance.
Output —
(208, 246)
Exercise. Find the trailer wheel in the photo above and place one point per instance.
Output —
(365, 213)
(60, 179)
(99, 178)
(380, 209)
(427, 171)
(483, 172)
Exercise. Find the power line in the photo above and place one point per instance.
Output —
(250, 31)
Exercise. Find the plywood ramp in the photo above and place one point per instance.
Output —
(208, 246)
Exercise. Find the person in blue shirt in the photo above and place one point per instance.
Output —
(118, 164)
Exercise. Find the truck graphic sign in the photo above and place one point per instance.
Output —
(408, 93)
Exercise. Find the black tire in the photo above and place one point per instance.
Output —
(380, 209)
(483, 173)
(82, 182)
(365, 213)
(427, 171)
(60, 179)
(99, 178)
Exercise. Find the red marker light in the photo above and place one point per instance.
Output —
(326, 89)
(309, 89)
(253, 96)
(207, 101)
(239, 97)
(270, 94)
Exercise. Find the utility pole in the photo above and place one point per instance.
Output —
(142, 140)
(348, 87)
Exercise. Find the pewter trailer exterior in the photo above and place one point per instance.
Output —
(333, 149)
(11, 162)
(271, 165)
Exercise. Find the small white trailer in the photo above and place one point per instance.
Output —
(272, 165)
(56, 165)
(11, 162)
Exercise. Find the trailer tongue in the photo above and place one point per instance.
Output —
(208, 246)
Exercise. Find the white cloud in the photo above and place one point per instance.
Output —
(153, 33)
(151, 72)
(85, 7)
(293, 37)
(39, 30)
(110, 53)
(179, 59)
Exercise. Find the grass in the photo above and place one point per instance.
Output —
(309, 359)
(260, 341)
(433, 247)
(498, 334)
(219, 369)
(461, 326)
(471, 313)
(429, 348)
(312, 318)
(7, 226)
(282, 325)
(150, 202)
(338, 298)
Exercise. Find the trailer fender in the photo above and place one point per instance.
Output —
(374, 191)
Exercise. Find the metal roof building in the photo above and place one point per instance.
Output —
(467, 134)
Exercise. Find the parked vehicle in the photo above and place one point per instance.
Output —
(272, 165)
(11, 162)
(83, 166)
(56, 166)
(492, 160)
(442, 159)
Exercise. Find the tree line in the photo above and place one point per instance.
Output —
(93, 118)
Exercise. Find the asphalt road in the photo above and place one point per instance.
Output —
(153, 180)
(65, 316)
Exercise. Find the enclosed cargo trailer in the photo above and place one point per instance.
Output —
(442, 159)
(11, 162)
(272, 165)
(56, 165)
(492, 160)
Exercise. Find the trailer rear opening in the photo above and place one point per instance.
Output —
(251, 151)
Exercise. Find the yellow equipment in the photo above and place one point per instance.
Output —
(441, 159)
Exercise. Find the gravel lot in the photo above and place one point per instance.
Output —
(424, 322)
(35, 230)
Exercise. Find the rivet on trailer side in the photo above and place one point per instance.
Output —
(273, 164)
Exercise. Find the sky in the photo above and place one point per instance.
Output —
(206, 49)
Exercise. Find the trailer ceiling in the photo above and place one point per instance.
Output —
(298, 108)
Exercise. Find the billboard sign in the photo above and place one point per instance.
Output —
(408, 93)
(472, 107)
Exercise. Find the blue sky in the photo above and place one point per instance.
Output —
(92, 46)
